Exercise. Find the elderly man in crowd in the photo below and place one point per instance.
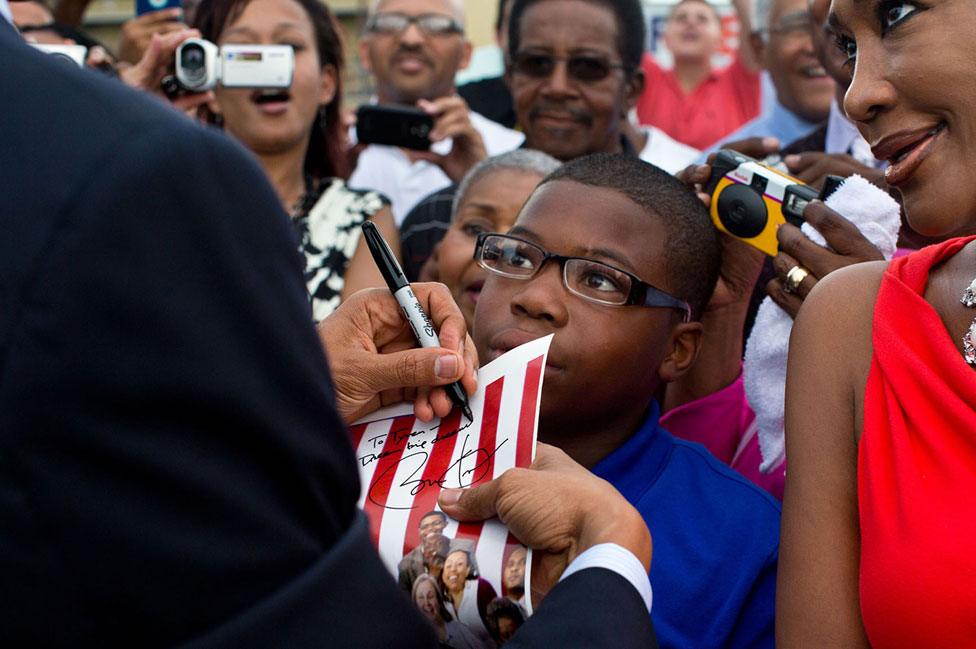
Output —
(836, 147)
(414, 48)
(574, 70)
(575, 73)
(804, 89)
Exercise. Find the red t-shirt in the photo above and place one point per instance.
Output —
(720, 104)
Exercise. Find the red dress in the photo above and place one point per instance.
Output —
(917, 470)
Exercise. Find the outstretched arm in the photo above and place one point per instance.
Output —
(743, 9)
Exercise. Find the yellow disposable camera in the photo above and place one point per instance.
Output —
(750, 199)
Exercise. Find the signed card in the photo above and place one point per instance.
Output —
(404, 463)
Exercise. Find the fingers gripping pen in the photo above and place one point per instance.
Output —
(423, 328)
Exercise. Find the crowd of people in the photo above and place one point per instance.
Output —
(586, 153)
(441, 575)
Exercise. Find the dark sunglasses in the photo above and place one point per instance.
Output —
(587, 68)
(430, 24)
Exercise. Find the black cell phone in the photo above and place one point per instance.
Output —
(400, 126)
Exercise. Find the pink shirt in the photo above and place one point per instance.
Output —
(724, 423)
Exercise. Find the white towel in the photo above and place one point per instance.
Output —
(876, 215)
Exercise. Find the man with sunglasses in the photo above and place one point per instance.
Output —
(414, 48)
(574, 71)
(617, 259)
(784, 46)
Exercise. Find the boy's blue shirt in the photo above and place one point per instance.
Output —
(715, 535)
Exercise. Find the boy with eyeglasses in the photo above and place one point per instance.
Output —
(414, 48)
(617, 259)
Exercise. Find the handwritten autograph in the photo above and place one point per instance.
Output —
(458, 475)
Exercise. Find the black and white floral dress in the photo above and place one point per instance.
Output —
(328, 220)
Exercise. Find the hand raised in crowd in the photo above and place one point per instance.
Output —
(741, 265)
(847, 246)
(374, 357)
(813, 167)
(452, 119)
(555, 506)
(138, 32)
(156, 63)
(754, 147)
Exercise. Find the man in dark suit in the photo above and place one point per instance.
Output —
(174, 469)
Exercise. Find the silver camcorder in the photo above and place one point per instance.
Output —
(201, 65)
(74, 53)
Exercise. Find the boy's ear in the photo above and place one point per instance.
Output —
(683, 348)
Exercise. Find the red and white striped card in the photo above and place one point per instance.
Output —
(404, 463)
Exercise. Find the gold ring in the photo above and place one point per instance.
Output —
(794, 277)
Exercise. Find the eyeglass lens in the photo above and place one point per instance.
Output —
(580, 67)
(434, 24)
(797, 24)
(590, 279)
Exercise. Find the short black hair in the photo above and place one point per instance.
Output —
(502, 607)
(693, 251)
(434, 512)
(631, 30)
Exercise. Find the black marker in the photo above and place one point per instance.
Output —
(422, 327)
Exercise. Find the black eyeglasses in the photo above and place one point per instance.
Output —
(592, 280)
(587, 68)
(430, 24)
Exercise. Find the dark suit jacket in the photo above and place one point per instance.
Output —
(172, 469)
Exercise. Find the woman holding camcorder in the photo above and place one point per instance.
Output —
(298, 137)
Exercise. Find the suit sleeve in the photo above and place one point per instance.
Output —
(177, 468)
(591, 609)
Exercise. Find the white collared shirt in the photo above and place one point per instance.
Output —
(843, 137)
(5, 11)
(389, 171)
(618, 559)
(662, 150)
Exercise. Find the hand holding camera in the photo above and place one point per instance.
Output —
(696, 176)
(452, 120)
(156, 63)
(137, 33)
(847, 246)
(418, 129)
(812, 167)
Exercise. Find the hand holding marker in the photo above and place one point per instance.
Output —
(423, 328)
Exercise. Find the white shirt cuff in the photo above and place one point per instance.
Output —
(618, 559)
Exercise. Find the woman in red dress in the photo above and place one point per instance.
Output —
(879, 516)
